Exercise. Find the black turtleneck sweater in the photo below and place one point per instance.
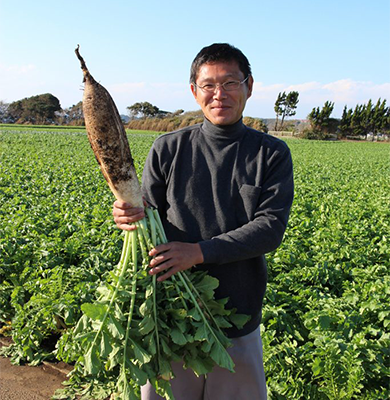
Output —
(230, 189)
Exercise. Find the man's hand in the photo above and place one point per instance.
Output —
(125, 215)
(174, 257)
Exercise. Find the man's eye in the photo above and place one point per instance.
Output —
(208, 86)
(231, 84)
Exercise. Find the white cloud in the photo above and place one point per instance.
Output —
(16, 69)
(315, 94)
(260, 91)
(18, 81)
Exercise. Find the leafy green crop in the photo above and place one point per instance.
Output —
(326, 315)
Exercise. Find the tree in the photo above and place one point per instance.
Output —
(357, 127)
(3, 111)
(381, 116)
(279, 107)
(14, 111)
(345, 123)
(320, 120)
(36, 109)
(176, 113)
(285, 106)
(143, 110)
(74, 115)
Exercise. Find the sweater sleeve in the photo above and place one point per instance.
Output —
(264, 232)
(155, 177)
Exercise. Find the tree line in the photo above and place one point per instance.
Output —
(363, 120)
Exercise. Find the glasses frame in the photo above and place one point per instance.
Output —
(221, 85)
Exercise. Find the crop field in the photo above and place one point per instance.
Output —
(326, 315)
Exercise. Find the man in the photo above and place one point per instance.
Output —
(224, 192)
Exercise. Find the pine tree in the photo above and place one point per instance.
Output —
(345, 123)
(285, 106)
(280, 101)
(320, 119)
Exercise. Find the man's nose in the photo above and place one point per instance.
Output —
(219, 92)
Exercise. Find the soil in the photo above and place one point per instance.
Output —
(22, 382)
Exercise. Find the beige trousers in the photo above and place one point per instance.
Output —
(247, 383)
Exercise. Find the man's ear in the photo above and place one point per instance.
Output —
(250, 86)
(193, 90)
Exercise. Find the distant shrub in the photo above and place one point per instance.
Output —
(255, 123)
(166, 124)
(173, 122)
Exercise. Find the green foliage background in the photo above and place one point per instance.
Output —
(326, 313)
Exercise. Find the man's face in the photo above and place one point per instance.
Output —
(222, 107)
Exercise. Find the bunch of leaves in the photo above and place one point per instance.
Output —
(136, 328)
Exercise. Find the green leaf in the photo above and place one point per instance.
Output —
(118, 314)
(162, 388)
(94, 311)
(146, 307)
(178, 336)
(166, 349)
(139, 376)
(115, 327)
(182, 325)
(124, 389)
(222, 322)
(198, 365)
(105, 346)
(165, 369)
(89, 336)
(114, 358)
(179, 313)
(202, 333)
(207, 286)
(81, 325)
(324, 321)
(206, 346)
(92, 363)
(221, 357)
(150, 343)
(317, 367)
(239, 320)
(194, 313)
(140, 353)
(146, 325)
(149, 291)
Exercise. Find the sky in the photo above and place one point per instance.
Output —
(334, 50)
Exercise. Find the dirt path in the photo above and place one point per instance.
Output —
(30, 383)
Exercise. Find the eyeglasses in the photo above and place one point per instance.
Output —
(228, 86)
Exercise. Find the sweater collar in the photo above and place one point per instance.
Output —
(223, 132)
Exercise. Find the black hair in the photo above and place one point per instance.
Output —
(219, 52)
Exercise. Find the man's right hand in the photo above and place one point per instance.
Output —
(125, 215)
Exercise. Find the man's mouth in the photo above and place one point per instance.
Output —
(220, 107)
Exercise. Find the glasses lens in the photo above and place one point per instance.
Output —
(209, 87)
(231, 85)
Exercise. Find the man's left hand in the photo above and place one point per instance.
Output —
(174, 257)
